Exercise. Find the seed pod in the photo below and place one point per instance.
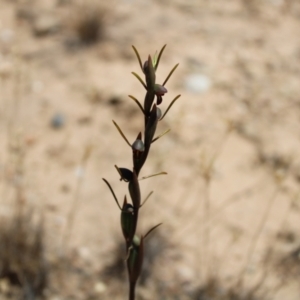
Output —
(128, 221)
(135, 259)
(151, 126)
(135, 193)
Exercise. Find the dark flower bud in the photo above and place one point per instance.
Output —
(125, 174)
(149, 72)
(145, 66)
(160, 90)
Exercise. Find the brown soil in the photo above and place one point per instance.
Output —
(231, 156)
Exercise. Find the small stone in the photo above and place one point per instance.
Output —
(37, 86)
(197, 83)
(4, 286)
(79, 172)
(58, 121)
(7, 35)
(65, 188)
(84, 253)
(115, 101)
(45, 24)
(25, 13)
(30, 140)
(100, 287)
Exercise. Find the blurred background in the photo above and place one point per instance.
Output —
(230, 202)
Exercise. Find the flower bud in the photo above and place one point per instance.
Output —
(125, 174)
(149, 73)
(160, 90)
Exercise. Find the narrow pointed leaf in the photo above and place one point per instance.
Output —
(151, 230)
(175, 99)
(146, 199)
(159, 56)
(138, 57)
(113, 193)
(153, 175)
(170, 74)
(155, 58)
(121, 132)
(137, 102)
(158, 137)
(140, 79)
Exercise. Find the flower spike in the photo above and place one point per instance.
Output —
(140, 149)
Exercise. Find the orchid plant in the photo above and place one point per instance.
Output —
(135, 245)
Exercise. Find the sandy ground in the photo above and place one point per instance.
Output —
(231, 156)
